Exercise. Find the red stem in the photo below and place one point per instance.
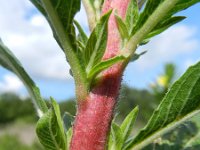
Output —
(95, 113)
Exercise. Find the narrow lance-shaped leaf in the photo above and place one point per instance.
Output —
(96, 44)
(10, 62)
(50, 129)
(122, 27)
(132, 15)
(148, 10)
(152, 5)
(127, 124)
(180, 103)
(183, 4)
(82, 35)
(137, 56)
(117, 137)
(69, 137)
(104, 65)
(165, 25)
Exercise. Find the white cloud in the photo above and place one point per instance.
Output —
(29, 36)
(174, 43)
(10, 83)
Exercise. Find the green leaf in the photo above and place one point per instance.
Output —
(117, 137)
(127, 124)
(183, 4)
(194, 141)
(69, 137)
(148, 10)
(68, 120)
(132, 15)
(165, 25)
(137, 56)
(60, 14)
(10, 62)
(82, 36)
(50, 130)
(122, 27)
(180, 103)
(96, 44)
(104, 65)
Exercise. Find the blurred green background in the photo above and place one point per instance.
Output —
(18, 118)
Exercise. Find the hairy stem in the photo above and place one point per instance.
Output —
(95, 113)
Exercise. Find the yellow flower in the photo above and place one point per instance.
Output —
(162, 80)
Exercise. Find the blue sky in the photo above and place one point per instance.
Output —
(28, 35)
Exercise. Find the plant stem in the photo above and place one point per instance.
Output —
(94, 116)
(91, 15)
(78, 72)
(95, 113)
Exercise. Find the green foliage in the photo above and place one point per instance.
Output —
(69, 137)
(168, 20)
(137, 56)
(130, 98)
(50, 129)
(116, 140)
(153, 19)
(10, 62)
(104, 65)
(10, 142)
(128, 122)
(82, 37)
(164, 25)
(181, 100)
(95, 49)
(13, 108)
(123, 30)
(119, 134)
(69, 106)
(188, 131)
(132, 15)
(96, 44)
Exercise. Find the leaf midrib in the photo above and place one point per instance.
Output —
(51, 133)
